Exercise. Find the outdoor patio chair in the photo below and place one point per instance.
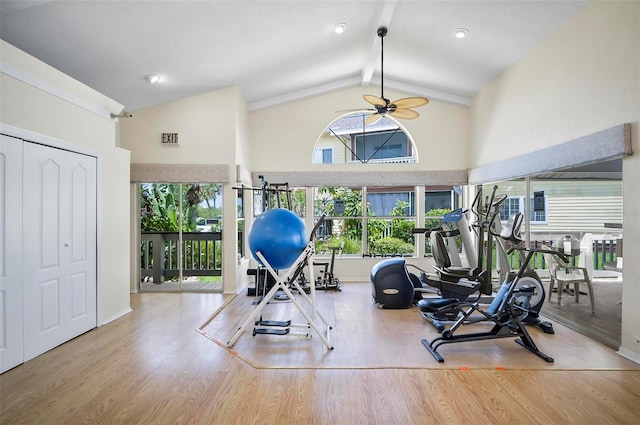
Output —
(563, 274)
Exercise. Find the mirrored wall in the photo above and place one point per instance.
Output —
(585, 204)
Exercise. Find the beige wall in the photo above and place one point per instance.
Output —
(205, 125)
(212, 129)
(243, 143)
(283, 137)
(31, 106)
(582, 79)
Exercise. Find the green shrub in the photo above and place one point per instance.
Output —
(391, 245)
(157, 223)
(351, 246)
(403, 230)
(432, 223)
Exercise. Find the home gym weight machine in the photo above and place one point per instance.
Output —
(268, 196)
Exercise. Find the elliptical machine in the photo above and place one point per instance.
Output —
(455, 223)
(452, 279)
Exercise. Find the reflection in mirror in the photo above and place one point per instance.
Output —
(584, 203)
(349, 139)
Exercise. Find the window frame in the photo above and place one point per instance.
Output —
(521, 209)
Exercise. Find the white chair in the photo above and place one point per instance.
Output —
(586, 254)
(562, 274)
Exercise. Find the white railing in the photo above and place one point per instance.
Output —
(396, 160)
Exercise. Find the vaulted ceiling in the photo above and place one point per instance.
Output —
(279, 50)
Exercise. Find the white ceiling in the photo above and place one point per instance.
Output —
(278, 50)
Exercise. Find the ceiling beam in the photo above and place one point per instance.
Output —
(307, 92)
(353, 81)
(384, 19)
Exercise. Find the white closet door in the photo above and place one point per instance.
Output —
(11, 335)
(59, 248)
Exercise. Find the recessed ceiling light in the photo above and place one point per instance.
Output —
(339, 28)
(461, 32)
(152, 78)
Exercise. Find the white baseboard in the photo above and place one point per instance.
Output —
(116, 316)
(628, 354)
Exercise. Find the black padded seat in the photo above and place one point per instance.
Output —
(433, 305)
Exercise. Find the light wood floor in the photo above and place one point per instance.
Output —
(152, 367)
(367, 337)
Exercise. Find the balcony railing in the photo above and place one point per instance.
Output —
(201, 255)
(394, 160)
(604, 253)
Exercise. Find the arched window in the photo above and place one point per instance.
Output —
(349, 139)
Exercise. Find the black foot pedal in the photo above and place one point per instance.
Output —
(264, 331)
(546, 327)
(275, 323)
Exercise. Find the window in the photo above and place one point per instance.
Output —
(182, 222)
(383, 203)
(392, 233)
(437, 202)
(344, 216)
(350, 139)
(381, 146)
(513, 205)
(440, 200)
(376, 221)
(323, 156)
(509, 208)
(538, 216)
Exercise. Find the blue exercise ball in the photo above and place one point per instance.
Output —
(280, 236)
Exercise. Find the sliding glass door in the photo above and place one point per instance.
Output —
(180, 234)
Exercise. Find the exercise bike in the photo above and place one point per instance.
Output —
(508, 311)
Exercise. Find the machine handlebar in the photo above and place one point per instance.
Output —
(558, 254)
(425, 230)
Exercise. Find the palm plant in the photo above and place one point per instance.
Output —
(161, 207)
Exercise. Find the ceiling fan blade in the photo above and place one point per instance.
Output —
(374, 100)
(410, 102)
(373, 118)
(405, 114)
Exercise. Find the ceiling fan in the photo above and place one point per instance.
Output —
(400, 108)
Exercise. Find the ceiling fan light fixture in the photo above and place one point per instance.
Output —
(461, 32)
(152, 78)
(339, 28)
(400, 108)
